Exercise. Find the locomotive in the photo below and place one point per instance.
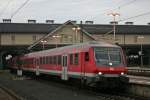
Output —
(95, 63)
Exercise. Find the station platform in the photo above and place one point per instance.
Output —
(139, 80)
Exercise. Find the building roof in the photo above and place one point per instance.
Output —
(27, 27)
(90, 28)
(120, 29)
(69, 22)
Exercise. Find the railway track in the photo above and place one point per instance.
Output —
(77, 90)
(118, 96)
(113, 95)
(103, 95)
(7, 94)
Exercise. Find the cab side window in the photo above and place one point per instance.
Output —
(86, 56)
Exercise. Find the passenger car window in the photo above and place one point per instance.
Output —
(86, 56)
(71, 59)
(76, 59)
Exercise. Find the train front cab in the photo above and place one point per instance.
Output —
(109, 66)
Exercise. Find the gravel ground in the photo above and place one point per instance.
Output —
(37, 90)
(5, 96)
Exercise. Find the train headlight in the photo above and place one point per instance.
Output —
(100, 73)
(122, 73)
(110, 64)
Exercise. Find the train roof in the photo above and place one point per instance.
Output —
(79, 46)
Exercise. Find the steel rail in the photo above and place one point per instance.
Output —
(11, 93)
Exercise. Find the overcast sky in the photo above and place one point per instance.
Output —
(63, 10)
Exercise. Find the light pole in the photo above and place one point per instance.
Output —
(76, 29)
(114, 14)
(141, 51)
(56, 36)
(43, 43)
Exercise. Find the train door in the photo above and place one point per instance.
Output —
(37, 66)
(64, 75)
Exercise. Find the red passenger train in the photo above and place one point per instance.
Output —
(94, 63)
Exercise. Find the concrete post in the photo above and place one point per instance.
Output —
(1, 60)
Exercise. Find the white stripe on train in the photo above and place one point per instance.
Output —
(59, 72)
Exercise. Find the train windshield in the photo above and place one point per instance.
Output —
(107, 56)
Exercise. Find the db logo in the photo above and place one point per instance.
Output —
(111, 69)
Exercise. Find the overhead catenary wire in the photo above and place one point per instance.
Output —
(123, 5)
(118, 7)
(140, 15)
(126, 4)
(13, 14)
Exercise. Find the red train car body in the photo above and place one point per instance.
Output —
(91, 62)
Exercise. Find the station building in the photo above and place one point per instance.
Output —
(20, 38)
